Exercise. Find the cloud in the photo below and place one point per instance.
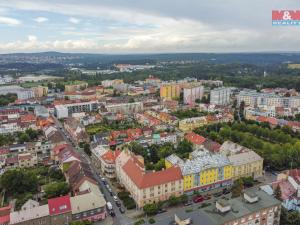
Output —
(41, 19)
(32, 38)
(9, 21)
(74, 20)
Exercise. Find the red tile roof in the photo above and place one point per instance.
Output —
(110, 156)
(59, 205)
(144, 179)
(28, 118)
(5, 215)
(58, 148)
(270, 120)
(195, 138)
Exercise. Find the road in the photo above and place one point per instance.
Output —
(119, 219)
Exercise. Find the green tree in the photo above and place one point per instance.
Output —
(19, 182)
(56, 189)
(277, 193)
(151, 209)
(237, 188)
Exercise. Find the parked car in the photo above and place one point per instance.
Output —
(225, 192)
(115, 198)
(198, 199)
(218, 194)
(112, 213)
(121, 210)
(188, 203)
(118, 203)
(161, 211)
(206, 197)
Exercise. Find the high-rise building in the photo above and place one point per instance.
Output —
(170, 91)
(190, 94)
(220, 96)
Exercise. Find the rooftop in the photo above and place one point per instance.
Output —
(59, 205)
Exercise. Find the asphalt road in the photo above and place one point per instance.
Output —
(119, 219)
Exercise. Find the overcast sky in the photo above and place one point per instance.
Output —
(145, 26)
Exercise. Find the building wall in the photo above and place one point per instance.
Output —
(61, 219)
(40, 221)
(170, 91)
(253, 169)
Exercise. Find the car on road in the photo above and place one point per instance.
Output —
(115, 198)
(198, 199)
(107, 186)
(206, 197)
(225, 192)
(112, 213)
(218, 194)
(161, 211)
(188, 203)
(122, 210)
(109, 206)
(118, 203)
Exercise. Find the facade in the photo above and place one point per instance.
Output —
(254, 99)
(68, 108)
(111, 83)
(147, 186)
(40, 91)
(78, 85)
(245, 162)
(203, 171)
(27, 160)
(76, 130)
(22, 93)
(190, 124)
(220, 96)
(170, 91)
(125, 108)
(190, 94)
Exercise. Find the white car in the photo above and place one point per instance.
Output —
(115, 198)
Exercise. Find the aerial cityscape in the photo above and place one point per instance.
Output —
(149, 112)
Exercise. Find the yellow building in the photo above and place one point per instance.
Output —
(192, 123)
(203, 171)
(170, 91)
(40, 91)
(76, 86)
(245, 162)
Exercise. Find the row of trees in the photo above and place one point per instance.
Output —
(277, 156)
(182, 114)
(6, 99)
(20, 137)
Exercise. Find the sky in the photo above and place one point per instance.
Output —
(145, 26)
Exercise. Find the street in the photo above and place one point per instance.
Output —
(119, 219)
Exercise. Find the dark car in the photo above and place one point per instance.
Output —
(161, 211)
(225, 192)
(198, 199)
(121, 210)
(112, 213)
(218, 194)
(118, 203)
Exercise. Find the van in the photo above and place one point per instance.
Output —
(109, 206)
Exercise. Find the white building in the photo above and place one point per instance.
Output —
(190, 94)
(220, 96)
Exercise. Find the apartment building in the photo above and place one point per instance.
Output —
(65, 109)
(255, 99)
(170, 91)
(76, 86)
(245, 162)
(147, 186)
(220, 96)
(125, 108)
(76, 130)
(190, 124)
(190, 94)
(254, 207)
(111, 83)
(40, 91)
(203, 171)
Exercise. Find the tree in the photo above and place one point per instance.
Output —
(277, 193)
(151, 209)
(87, 149)
(57, 189)
(24, 137)
(184, 147)
(19, 182)
(237, 188)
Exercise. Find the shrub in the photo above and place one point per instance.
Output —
(151, 220)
